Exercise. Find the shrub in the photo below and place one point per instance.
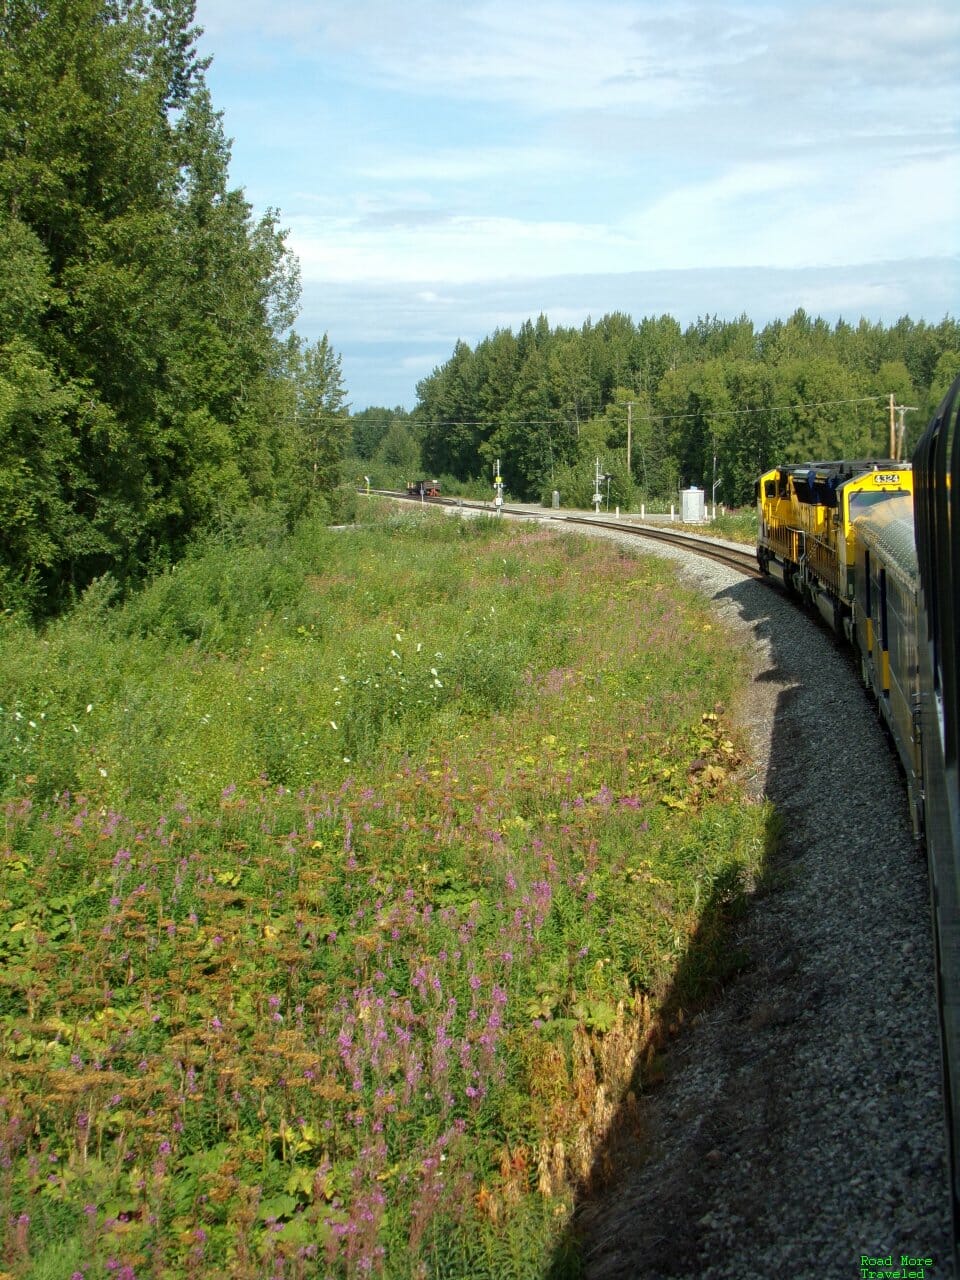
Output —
(338, 925)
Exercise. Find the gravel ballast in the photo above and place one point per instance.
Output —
(799, 1130)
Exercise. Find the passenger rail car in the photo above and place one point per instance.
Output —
(875, 546)
(937, 522)
(885, 604)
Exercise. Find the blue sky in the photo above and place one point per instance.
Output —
(445, 167)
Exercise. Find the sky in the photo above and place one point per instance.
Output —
(445, 168)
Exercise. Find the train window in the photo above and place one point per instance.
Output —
(770, 489)
(860, 502)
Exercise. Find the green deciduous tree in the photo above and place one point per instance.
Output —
(718, 403)
(447, 416)
(399, 453)
(321, 417)
(141, 304)
(947, 368)
(368, 428)
(827, 413)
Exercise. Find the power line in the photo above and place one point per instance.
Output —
(657, 417)
(773, 408)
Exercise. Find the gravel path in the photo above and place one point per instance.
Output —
(800, 1125)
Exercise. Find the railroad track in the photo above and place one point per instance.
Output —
(743, 561)
(786, 1058)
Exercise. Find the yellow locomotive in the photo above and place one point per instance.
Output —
(875, 546)
(807, 516)
(840, 534)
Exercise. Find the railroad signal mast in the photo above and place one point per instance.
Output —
(599, 477)
(497, 487)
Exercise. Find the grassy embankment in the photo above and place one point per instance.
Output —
(340, 880)
(737, 526)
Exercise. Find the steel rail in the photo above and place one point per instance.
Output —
(943, 814)
(744, 562)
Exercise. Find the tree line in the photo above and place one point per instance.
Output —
(150, 385)
(712, 405)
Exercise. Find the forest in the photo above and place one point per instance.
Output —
(150, 384)
(711, 405)
(354, 885)
(154, 390)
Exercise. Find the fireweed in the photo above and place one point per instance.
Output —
(368, 1005)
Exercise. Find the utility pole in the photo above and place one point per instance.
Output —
(629, 433)
(902, 410)
(893, 429)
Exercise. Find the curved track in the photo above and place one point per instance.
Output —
(788, 1060)
(743, 560)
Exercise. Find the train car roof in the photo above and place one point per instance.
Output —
(842, 469)
(820, 483)
(887, 530)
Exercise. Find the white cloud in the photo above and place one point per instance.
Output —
(803, 214)
(560, 56)
(543, 154)
(566, 54)
(389, 339)
(424, 363)
(464, 164)
(777, 215)
(455, 250)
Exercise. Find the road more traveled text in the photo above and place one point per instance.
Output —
(905, 1268)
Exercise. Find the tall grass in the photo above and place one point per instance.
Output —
(341, 877)
(738, 526)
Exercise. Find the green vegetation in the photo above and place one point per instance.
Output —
(350, 880)
(146, 392)
(719, 402)
(735, 526)
(347, 882)
(151, 389)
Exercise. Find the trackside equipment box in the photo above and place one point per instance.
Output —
(692, 506)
